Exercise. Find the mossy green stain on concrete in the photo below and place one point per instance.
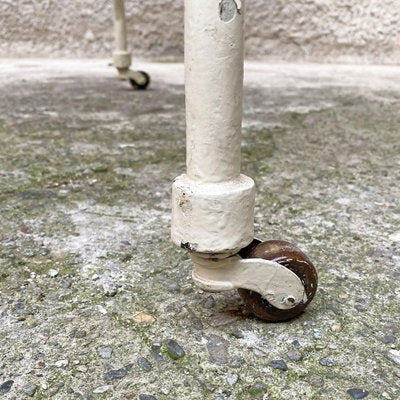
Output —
(92, 185)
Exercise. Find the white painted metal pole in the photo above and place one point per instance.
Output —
(121, 56)
(213, 204)
(214, 87)
(119, 25)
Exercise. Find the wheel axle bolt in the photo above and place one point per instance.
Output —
(288, 300)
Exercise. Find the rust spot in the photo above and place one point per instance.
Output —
(189, 246)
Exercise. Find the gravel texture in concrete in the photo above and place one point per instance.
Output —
(96, 303)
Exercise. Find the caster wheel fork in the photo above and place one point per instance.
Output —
(289, 256)
(275, 279)
(139, 80)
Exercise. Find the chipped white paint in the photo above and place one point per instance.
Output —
(276, 283)
(213, 204)
(213, 217)
(228, 9)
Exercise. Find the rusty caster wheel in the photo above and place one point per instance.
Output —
(289, 256)
(141, 86)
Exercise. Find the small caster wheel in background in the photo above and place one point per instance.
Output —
(292, 258)
(143, 85)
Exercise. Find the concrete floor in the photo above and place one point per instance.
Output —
(96, 303)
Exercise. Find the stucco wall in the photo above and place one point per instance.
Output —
(282, 30)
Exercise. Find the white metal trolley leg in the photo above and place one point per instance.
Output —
(213, 203)
(121, 57)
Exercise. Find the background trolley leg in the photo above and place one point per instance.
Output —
(213, 203)
(121, 57)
